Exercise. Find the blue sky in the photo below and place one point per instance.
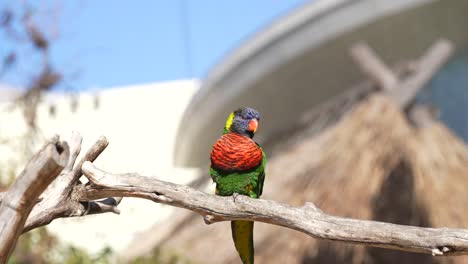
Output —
(103, 44)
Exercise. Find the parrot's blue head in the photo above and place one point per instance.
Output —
(243, 121)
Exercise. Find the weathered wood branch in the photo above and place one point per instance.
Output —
(20, 198)
(307, 219)
(94, 198)
(59, 200)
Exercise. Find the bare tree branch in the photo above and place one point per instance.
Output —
(59, 200)
(75, 148)
(98, 147)
(20, 198)
(94, 198)
(307, 219)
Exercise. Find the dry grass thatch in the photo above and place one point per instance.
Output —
(371, 165)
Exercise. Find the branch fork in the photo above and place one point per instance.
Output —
(62, 198)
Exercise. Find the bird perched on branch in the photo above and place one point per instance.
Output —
(238, 166)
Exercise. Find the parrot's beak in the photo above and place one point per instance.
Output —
(253, 125)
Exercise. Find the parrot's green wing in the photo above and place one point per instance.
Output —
(261, 177)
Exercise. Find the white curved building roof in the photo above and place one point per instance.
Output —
(301, 61)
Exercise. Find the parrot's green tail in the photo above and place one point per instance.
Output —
(242, 234)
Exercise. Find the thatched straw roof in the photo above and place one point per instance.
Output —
(372, 164)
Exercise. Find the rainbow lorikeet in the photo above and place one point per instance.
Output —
(238, 166)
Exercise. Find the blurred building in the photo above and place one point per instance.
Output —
(140, 122)
(300, 63)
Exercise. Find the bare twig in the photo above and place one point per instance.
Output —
(59, 200)
(307, 219)
(18, 201)
(98, 147)
(75, 143)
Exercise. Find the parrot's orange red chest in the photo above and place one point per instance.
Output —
(235, 152)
